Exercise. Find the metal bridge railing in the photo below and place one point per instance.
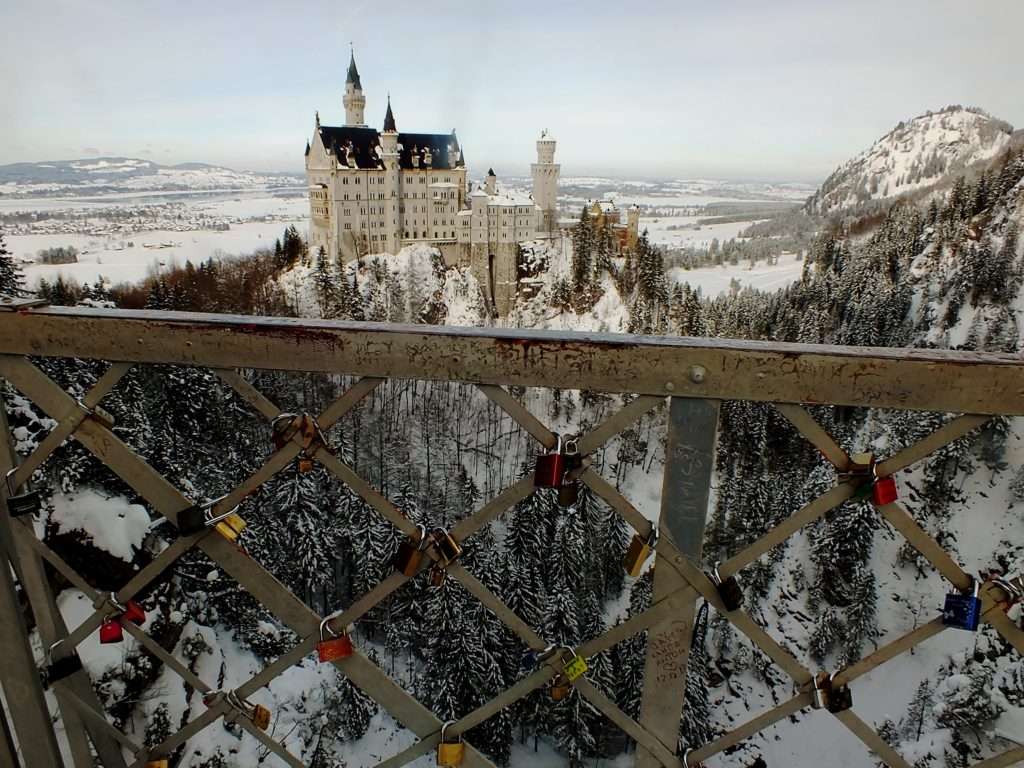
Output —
(694, 374)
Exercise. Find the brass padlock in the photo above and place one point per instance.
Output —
(450, 753)
(231, 527)
(410, 554)
(638, 552)
(448, 549)
(437, 576)
(305, 464)
(161, 763)
(560, 687)
(261, 717)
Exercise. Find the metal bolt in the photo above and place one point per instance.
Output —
(697, 374)
(670, 386)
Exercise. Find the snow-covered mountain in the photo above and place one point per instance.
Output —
(915, 155)
(124, 174)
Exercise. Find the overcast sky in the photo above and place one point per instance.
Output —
(757, 90)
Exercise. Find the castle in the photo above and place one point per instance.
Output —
(377, 191)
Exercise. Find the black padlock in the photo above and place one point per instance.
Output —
(729, 590)
(840, 699)
(28, 503)
(192, 520)
(568, 494)
(61, 668)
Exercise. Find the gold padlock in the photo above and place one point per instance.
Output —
(261, 717)
(161, 763)
(450, 753)
(560, 687)
(448, 549)
(305, 464)
(437, 576)
(638, 552)
(231, 527)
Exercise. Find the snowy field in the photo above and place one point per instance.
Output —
(112, 258)
(714, 281)
(255, 221)
(685, 232)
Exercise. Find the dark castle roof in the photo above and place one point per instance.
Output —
(389, 119)
(362, 144)
(353, 73)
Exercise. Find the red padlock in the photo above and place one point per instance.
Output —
(551, 468)
(331, 648)
(111, 631)
(134, 613)
(883, 491)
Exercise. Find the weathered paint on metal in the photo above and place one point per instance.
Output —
(686, 486)
(936, 380)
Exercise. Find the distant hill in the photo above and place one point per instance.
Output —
(914, 156)
(99, 175)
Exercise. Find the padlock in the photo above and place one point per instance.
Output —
(161, 763)
(860, 470)
(28, 503)
(1011, 589)
(729, 590)
(231, 527)
(450, 753)
(260, 717)
(883, 491)
(448, 549)
(822, 691)
(550, 468)
(437, 576)
(102, 416)
(134, 613)
(335, 647)
(560, 687)
(305, 463)
(111, 631)
(687, 763)
(58, 669)
(840, 699)
(638, 552)
(568, 493)
(576, 667)
(410, 554)
(192, 520)
(963, 611)
(283, 428)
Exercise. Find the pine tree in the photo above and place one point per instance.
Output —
(12, 280)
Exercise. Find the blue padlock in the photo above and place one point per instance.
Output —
(963, 611)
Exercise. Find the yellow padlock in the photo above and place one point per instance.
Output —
(638, 552)
(231, 527)
(575, 668)
(161, 763)
(450, 753)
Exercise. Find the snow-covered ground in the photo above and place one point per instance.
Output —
(686, 232)
(114, 259)
(714, 281)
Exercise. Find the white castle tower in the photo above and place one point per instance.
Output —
(389, 155)
(354, 100)
(545, 182)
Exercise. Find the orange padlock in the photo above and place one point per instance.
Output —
(560, 687)
(410, 553)
(331, 648)
(261, 717)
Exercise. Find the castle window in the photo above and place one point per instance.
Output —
(344, 179)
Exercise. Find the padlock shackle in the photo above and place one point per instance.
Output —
(652, 538)
(8, 478)
(121, 607)
(325, 628)
(571, 446)
(422, 543)
(444, 729)
(558, 443)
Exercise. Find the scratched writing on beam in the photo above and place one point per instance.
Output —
(669, 650)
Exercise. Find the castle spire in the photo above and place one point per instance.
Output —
(353, 73)
(389, 119)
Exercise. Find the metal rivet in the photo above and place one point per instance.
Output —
(697, 374)
(669, 386)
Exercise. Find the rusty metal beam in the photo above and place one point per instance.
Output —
(933, 380)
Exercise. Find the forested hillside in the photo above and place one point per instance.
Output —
(946, 272)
